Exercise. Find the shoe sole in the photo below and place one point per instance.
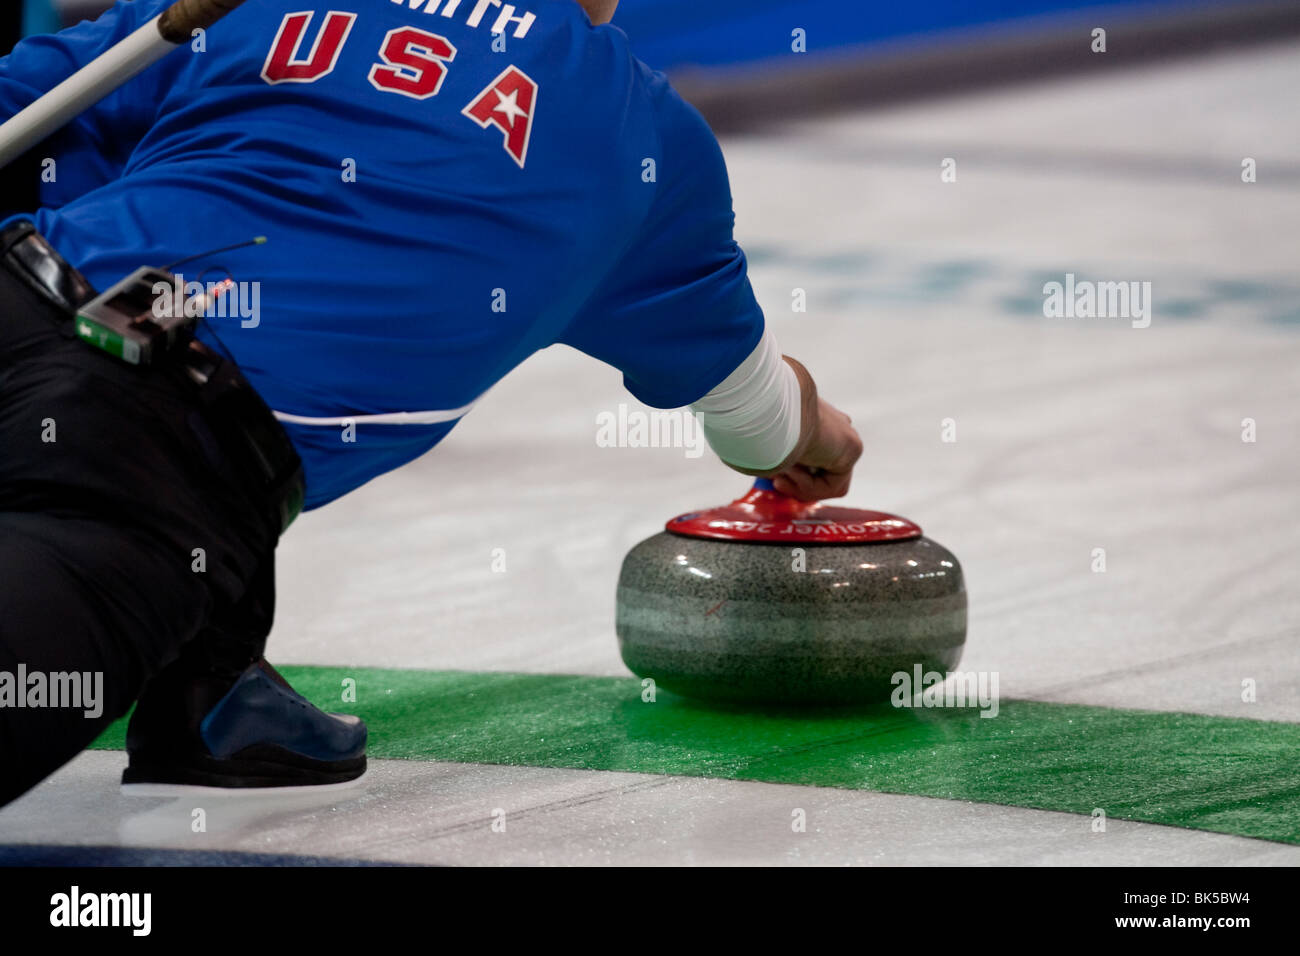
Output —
(194, 789)
(261, 768)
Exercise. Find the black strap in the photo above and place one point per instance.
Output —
(33, 260)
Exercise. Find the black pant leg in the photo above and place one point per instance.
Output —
(86, 598)
(124, 532)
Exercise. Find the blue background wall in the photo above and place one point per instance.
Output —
(670, 34)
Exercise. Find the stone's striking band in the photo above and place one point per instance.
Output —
(789, 623)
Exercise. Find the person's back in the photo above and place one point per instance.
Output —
(447, 187)
(441, 201)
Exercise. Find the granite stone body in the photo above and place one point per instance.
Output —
(792, 623)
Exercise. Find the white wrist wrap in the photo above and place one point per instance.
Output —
(753, 419)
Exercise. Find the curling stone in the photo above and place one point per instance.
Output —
(777, 601)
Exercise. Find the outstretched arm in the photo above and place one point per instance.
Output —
(678, 317)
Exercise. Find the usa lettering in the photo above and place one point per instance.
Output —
(507, 104)
(413, 62)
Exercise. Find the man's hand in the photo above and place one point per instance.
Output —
(825, 467)
(821, 465)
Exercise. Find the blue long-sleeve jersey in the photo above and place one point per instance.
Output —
(447, 187)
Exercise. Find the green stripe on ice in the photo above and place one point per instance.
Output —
(1227, 775)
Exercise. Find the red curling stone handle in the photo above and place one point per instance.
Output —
(764, 514)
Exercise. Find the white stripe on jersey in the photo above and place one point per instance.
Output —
(434, 417)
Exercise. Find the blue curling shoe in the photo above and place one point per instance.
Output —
(256, 735)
